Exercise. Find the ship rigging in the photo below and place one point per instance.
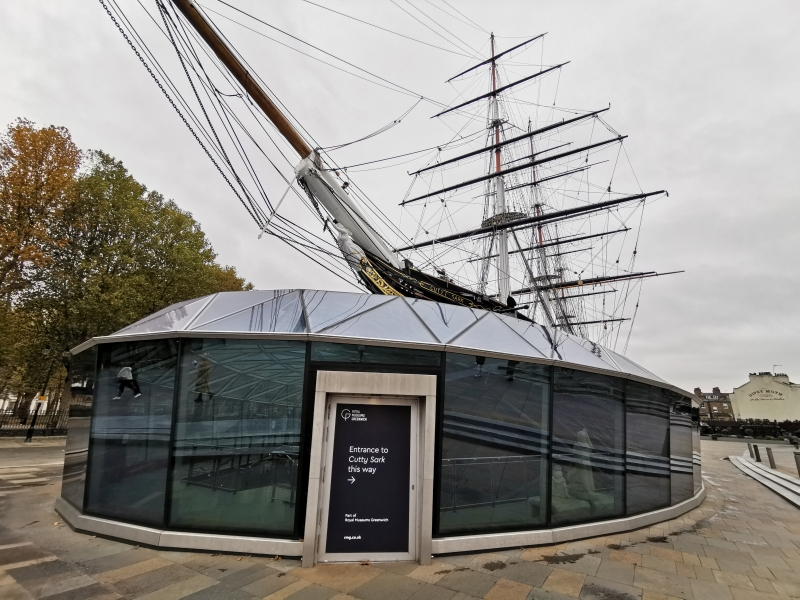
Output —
(543, 240)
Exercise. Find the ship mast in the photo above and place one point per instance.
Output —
(503, 272)
(356, 234)
(242, 75)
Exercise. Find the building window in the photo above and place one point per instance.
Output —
(237, 436)
(81, 378)
(647, 448)
(359, 354)
(494, 445)
(132, 418)
(588, 447)
(681, 469)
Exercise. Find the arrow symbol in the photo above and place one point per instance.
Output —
(352, 480)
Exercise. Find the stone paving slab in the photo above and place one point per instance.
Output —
(742, 543)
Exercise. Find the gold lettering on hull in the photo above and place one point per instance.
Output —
(370, 273)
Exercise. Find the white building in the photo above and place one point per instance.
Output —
(767, 396)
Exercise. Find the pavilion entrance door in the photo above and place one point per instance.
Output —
(369, 502)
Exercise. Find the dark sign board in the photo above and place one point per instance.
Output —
(370, 479)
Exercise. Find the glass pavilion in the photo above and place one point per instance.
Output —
(211, 430)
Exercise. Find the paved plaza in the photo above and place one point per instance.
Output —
(743, 542)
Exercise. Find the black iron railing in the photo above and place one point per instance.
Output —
(12, 423)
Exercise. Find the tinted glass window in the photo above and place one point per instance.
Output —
(78, 396)
(237, 436)
(494, 445)
(588, 447)
(647, 448)
(680, 448)
(696, 471)
(131, 422)
(355, 353)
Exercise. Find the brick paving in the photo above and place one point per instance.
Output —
(742, 543)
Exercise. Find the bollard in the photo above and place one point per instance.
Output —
(750, 448)
(770, 458)
(758, 454)
(797, 461)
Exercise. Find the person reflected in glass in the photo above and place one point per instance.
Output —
(480, 361)
(579, 474)
(125, 379)
(202, 385)
(510, 368)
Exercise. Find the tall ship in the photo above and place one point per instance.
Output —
(468, 398)
(529, 209)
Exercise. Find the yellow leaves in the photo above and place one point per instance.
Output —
(37, 173)
(85, 250)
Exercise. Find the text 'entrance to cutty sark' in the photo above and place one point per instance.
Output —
(370, 470)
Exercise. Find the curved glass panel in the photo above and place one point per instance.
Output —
(445, 320)
(358, 354)
(131, 424)
(680, 448)
(491, 334)
(696, 457)
(393, 320)
(177, 316)
(647, 448)
(227, 303)
(237, 436)
(533, 333)
(328, 308)
(81, 390)
(588, 481)
(494, 445)
(283, 313)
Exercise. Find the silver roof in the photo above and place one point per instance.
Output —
(373, 319)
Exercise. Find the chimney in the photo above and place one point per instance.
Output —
(697, 392)
(716, 390)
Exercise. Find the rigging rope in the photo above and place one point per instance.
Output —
(384, 29)
(180, 114)
(318, 49)
(383, 129)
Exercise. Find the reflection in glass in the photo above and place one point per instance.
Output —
(173, 317)
(680, 448)
(130, 431)
(282, 313)
(81, 389)
(355, 353)
(237, 436)
(494, 445)
(445, 320)
(491, 333)
(696, 463)
(393, 320)
(647, 448)
(588, 461)
(328, 308)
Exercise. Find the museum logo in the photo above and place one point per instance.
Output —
(353, 415)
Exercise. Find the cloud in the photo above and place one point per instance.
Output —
(707, 91)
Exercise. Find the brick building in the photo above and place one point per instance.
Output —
(715, 405)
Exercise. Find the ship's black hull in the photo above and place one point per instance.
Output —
(413, 283)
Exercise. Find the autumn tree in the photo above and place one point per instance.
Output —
(37, 169)
(96, 252)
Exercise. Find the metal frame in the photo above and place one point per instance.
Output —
(420, 386)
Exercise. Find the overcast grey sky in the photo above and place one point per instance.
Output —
(709, 93)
